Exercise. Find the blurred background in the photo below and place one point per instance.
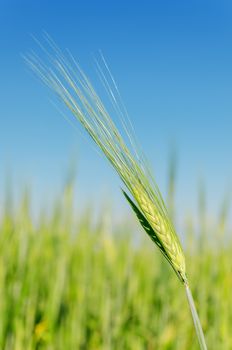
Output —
(65, 238)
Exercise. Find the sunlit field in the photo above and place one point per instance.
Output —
(97, 250)
(69, 281)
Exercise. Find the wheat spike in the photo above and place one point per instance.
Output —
(64, 76)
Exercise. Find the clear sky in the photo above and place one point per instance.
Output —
(173, 64)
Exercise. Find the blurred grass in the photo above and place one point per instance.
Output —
(71, 282)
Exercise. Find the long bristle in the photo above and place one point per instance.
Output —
(65, 77)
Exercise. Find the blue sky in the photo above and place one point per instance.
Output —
(173, 64)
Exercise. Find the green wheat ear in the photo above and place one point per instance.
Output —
(64, 76)
(75, 90)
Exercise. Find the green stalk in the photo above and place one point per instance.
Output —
(196, 321)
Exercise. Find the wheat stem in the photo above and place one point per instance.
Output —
(196, 321)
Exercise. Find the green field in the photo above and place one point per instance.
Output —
(68, 281)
